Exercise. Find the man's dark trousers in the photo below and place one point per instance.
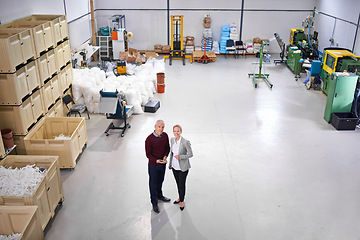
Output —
(156, 178)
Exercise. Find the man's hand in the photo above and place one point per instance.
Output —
(161, 161)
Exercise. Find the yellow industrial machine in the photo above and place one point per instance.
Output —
(337, 60)
(296, 35)
(120, 68)
(303, 44)
(177, 40)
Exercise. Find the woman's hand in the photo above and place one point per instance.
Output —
(177, 157)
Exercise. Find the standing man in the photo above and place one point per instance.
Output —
(157, 149)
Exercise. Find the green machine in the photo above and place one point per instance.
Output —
(303, 43)
(341, 90)
(337, 60)
(294, 56)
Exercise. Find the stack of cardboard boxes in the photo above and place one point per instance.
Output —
(131, 56)
(207, 34)
(190, 45)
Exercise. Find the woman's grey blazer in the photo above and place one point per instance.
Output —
(185, 152)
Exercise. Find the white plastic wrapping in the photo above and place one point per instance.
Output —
(13, 236)
(138, 87)
(20, 182)
(62, 137)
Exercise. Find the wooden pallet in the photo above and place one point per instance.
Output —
(198, 54)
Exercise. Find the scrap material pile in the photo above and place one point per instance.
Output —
(138, 85)
(20, 182)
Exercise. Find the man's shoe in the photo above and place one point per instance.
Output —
(156, 208)
(164, 199)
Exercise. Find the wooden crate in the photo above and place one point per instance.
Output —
(2, 148)
(62, 54)
(48, 193)
(41, 30)
(40, 140)
(198, 54)
(20, 118)
(14, 87)
(50, 92)
(21, 219)
(16, 47)
(47, 66)
(58, 22)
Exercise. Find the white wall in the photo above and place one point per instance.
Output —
(344, 32)
(79, 30)
(148, 19)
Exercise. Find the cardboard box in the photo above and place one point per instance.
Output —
(157, 47)
(190, 43)
(207, 25)
(150, 54)
(133, 51)
(123, 55)
(165, 48)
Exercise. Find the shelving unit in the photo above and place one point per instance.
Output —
(105, 48)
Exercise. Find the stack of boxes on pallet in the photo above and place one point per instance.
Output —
(207, 34)
(189, 45)
(35, 72)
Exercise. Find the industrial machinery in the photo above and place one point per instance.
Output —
(337, 60)
(303, 44)
(81, 56)
(282, 47)
(177, 40)
(341, 91)
(119, 35)
(113, 105)
(120, 68)
(260, 75)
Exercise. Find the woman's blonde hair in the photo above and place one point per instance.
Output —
(177, 125)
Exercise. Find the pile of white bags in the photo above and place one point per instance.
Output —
(20, 182)
(138, 87)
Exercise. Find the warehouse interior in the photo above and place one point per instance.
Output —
(275, 156)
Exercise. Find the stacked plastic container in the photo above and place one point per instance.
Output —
(225, 35)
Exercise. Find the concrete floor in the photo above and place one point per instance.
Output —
(266, 165)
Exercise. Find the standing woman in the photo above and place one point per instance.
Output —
(179, 162)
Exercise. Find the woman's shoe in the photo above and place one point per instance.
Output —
(176, 202)
(182, 208)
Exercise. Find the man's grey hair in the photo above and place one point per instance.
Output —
(157, 121)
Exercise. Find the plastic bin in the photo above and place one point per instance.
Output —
(22, 220)
(49, 191)
(40, 140)
(344, 121)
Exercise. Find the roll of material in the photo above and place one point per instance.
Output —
(129, 35)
